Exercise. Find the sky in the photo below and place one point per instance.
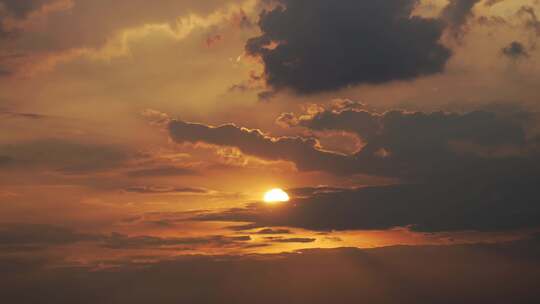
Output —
(138, 139)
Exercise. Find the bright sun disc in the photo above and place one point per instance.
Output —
(276, 196)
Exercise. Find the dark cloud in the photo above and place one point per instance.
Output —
(4, 160)
(273, 231)
(309, 191)
(164, 190)
(120, 241)
(302, 151)
(4, 72)
(11, 114)
(245, 227)
(409, 145)
(21, 8)
(20, 237)
(435, 274)
(161, 171)
(293, 240)
(515, 50)
(531, 21)
(456, 14)
(423, 145)
(266, 95)
(18, 9)
(492, 2)
(241, 20)
(7, 61)
(40, 235)
(461, 171)
(313, 46)
(432, 207)
(160, 223)
(3, 34)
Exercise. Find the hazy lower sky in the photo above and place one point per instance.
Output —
(139, 134)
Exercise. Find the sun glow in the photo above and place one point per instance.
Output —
(276, 196)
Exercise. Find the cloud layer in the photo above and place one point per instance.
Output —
(431, 207)
(413, 146)
(457, 171)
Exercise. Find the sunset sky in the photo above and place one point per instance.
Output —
(138, 139)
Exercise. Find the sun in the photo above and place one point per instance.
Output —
(276, 196)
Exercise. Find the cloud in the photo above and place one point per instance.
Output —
(4, 160)
(457, 171)
(63, 156)
(531, 21)
(292, 240)
(40, 235)
(515, 50)
(120, 241)
(161, 171)
(413, 146)
(21, 8)
(492, 2)
(302, 151)
(11, 114)
(165, 190)
(417, 145)
(11, 12)
(309, 191)
(431, 207)
(23, 237)
(314, 46)
(4, 71)
(436, 274)
(456, 14)
(273, 231)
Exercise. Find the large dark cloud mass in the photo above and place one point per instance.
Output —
(417, 145)
(323, 45)
(470, 171)
(165, 190)
(495, 274)
(414, 146)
